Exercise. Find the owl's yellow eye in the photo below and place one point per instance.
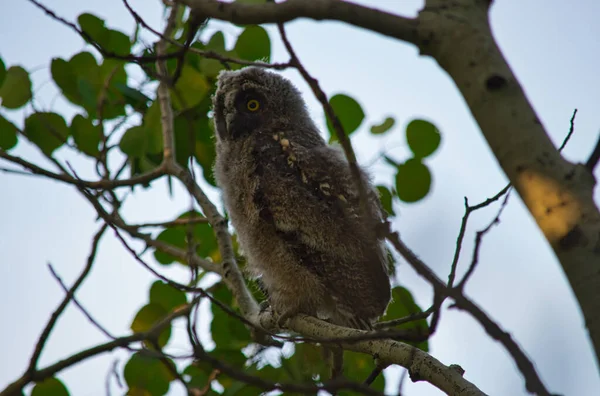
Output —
(253, 105)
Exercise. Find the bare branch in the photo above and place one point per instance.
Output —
(478, 240)
(337, 125)
(369, 18)
(144, 178)
(421, 365)
(594, 157)
(532, 379)
(76, 302)
(172, 223)
(152, 334)
(60, 309)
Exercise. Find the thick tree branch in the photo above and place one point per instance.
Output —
(355, 14)
(421, 365)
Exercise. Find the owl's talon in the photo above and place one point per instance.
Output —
(283, 318)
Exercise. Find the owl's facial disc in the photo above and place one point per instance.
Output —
(239, 111)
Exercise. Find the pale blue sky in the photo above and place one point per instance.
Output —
(552, 47)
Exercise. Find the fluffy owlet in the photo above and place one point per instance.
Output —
(294, 204)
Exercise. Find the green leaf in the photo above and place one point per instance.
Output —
(227, 331)
(86, 135)
(133, 97)
(306, 364)
(84, 83)
(167, 296)
(50, 387)
(385, 196)
(172, 236)
(198, 378)
(147, 373)
(139, 141)
(348, 111)
(2, 71)
(212, 67)
(147, 317)
(358, 366)
(190, 89)
(403, 305)
(385, 126)
(254, 44)
(110, 40)
(413, 180)
(423, 138)
(133, 141)
(8, 134)
(46, 130)
(16, 88)
(204, 238)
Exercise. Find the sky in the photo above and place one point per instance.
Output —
(551, 46)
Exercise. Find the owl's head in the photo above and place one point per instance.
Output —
(251, 100)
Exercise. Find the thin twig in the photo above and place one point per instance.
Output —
(76, 302)
(68, 297)
(478, 240)
(571, 129)
(532, 379)
(337, 125)
(144, 178)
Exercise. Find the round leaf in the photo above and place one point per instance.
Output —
(172, 236)
(254, 44)
(46, 130)
(147, 373)
(227, 331)
(423, 138)
(87, 136)
(413, 180)
(385, 126)
(110, 40)
(212, 67)
(50, 387)
(198, 378)
(166, 296)
(348, 111)
(8, 134)
(16, 88)
(190, 89)
(147, 317)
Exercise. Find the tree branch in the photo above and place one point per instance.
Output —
(532, 380)
(104, 184)
(68, 297)
(594, 157)
(369, 18)
(421, 365)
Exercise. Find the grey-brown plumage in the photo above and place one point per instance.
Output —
(294, 204)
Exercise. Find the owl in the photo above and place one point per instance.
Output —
(294, 204)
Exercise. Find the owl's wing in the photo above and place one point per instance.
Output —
(309, 197)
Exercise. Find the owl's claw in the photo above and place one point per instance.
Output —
(283, 318)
